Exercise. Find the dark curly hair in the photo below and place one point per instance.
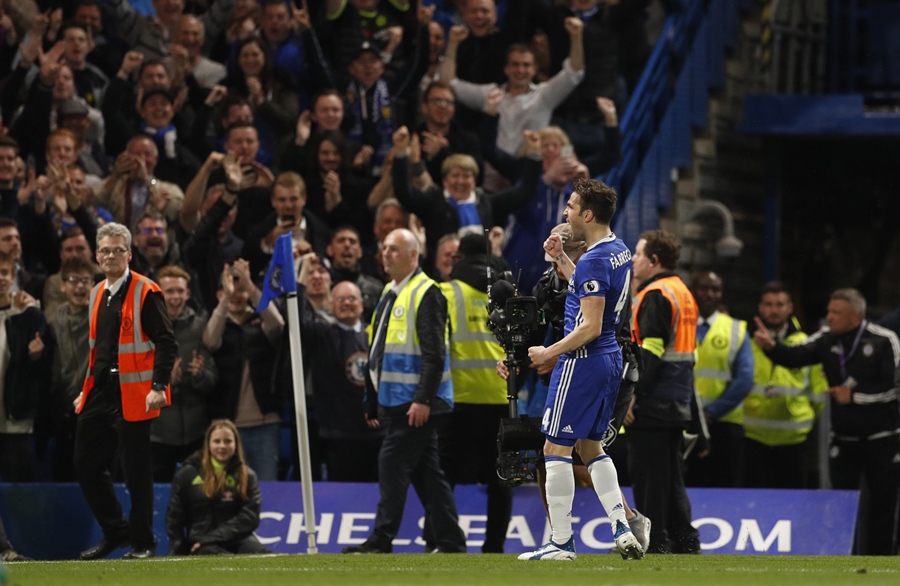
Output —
(664, 246)
(596, 196)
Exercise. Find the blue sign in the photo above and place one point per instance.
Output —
(52, 521)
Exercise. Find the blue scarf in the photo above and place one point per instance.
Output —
(163, 137)
(380, 117)
(585, 15)
(469, 220)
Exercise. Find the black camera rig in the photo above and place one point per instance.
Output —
(514, 321)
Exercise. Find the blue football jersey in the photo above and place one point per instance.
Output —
(605, 269)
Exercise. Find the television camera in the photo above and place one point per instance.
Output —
(514, 321)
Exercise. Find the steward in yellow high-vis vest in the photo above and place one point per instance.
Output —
(401, 364)
(474, 351)
(408, 383)
(784, 402)
(719, 339)
(723, 375)
(468, 439)
(781, 409)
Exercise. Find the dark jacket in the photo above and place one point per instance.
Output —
(340, 359)
(351, 210)
(225, 518)
(439, 217)
(33, 125)
(597, 163)
(204, 254)
(873, 365)
(185, 420)
(481, 59)
(25, 379)
(613, 40)
(240, 343)
(70, 357)
(459, 141)
(317, 234)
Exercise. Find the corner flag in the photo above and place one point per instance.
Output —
(280, 277)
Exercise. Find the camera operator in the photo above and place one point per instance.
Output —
(468, 435)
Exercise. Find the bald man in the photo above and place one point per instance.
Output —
(409, 365)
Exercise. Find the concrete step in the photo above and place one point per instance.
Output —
(729, 165)
(687, 188)
(722, 189)
(751, 29)
(732, 110)
(735, 68)
(704, 147)
(741, 144)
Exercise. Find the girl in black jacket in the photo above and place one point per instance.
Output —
(214, 506)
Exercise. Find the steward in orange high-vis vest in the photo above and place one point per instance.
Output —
(664, 322)
(131, 357)
(675, 379)
(136, 351)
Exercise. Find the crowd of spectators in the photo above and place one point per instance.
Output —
(212, 127)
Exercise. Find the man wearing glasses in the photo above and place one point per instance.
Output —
(440, 135)
(132, 352)
(69, 322)
(153, 249)
(340, 353)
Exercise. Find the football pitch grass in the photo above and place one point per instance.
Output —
(461, 570)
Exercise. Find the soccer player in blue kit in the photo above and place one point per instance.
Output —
(585, 381)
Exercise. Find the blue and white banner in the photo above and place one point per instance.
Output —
(772, 522)
(49, 521)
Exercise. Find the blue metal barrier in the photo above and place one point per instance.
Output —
(669, 100)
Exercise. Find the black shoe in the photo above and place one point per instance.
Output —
(106, 546)
(139, 553)
(363, 548)
(11, 555)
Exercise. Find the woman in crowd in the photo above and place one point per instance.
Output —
(269, 90)
(214, 506)
(333, 191)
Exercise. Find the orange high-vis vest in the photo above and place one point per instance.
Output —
(681, 346)
(136, 351)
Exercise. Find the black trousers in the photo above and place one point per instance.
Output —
(4, 540)
(16, 457)
(878, 462)
(775, 466)
(64, 449)
(657, 479)
(167, 457)
(468, 448)
(409, 455)
(723, 467)
(98, 438)
(352, 460)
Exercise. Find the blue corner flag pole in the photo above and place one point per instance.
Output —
(280, 280)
